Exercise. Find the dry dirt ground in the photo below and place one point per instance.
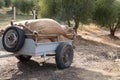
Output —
(93, 60)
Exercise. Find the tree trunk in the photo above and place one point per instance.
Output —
(12, 8)
(112, 31)
(36, 15)
(69, 24)
(76, 25)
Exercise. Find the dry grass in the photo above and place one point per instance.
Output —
(98, 34)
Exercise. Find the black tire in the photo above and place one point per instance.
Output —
(13, 39)
(64, 55)
(23, 58)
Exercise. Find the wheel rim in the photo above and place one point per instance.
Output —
(11, 38)
(67, 56)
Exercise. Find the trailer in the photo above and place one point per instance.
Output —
(15, 43)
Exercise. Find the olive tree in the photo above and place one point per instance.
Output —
(82, 11)
(107, 14)
(66, 12)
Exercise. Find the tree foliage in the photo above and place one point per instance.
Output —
(49, 8)
(107, 14)
(2, 3)
(24, 6)
(7, 3)
(66, 12)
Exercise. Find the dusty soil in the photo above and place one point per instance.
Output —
(94, 59)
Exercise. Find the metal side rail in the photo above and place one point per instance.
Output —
(6, 54)
(44, 35)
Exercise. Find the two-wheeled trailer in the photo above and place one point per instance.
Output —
(16, 44)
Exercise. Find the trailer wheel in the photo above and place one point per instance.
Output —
(23, 58)
(13, 39)
(64, 55)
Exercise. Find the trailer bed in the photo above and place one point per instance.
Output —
(32, 48)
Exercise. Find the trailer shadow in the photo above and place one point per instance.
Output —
(32, 70)
(35, 66)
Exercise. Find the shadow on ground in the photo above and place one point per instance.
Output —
(32, 70)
